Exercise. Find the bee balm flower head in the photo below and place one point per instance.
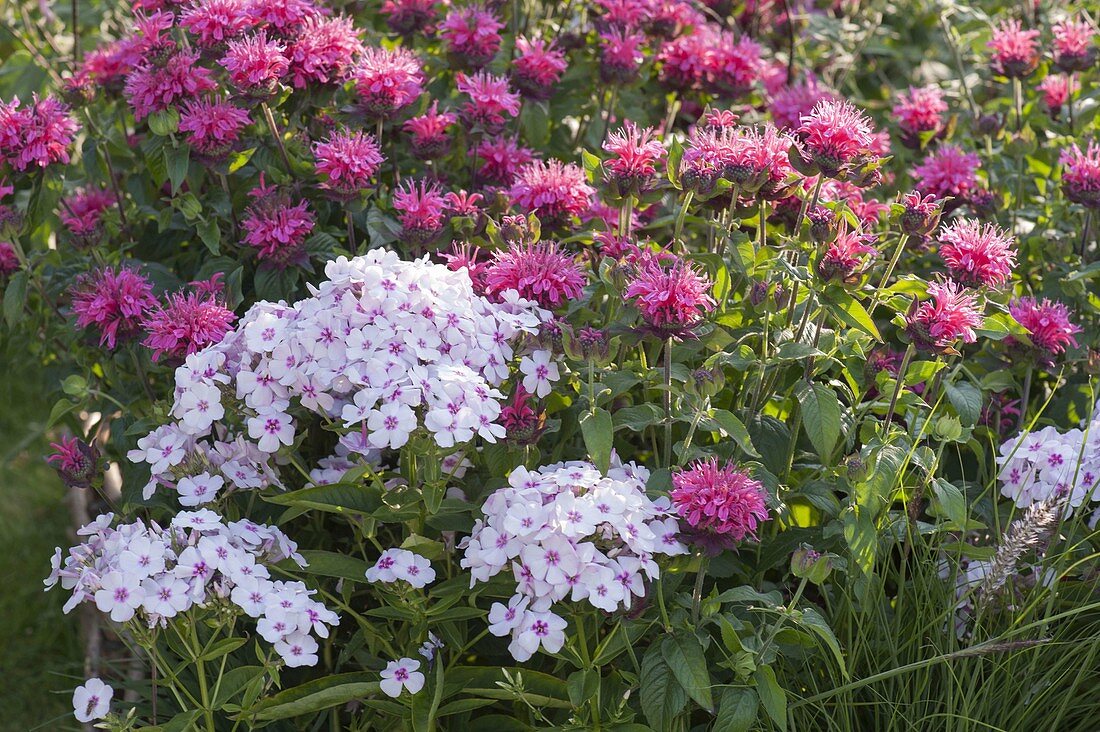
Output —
(977, 255)
(1015, 51)
(950, 315)
(721, 504)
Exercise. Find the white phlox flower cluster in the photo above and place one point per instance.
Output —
(1039, 464)
(381, 349)
(568, 533)
(144, 571)
(401, 565)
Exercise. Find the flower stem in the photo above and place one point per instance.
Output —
(886, 275)
(697, 594)
(1025, 395)
(668, 402)
(351, 234)
(275, 134)
(897, 387)
(681, 216)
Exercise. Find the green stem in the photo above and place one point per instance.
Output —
(697, 593)
(897, 387)
(681, 216)
(353, 247)
(886, 275)
(200, 671)
(276, 135)
(668, 403)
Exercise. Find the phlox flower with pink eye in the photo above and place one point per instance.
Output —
(401, 565)
(92, 700)
(1039, 464)
(567, 533)
(148, 574)
(384, 349)
(401, 675)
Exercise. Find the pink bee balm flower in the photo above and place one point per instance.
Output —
(537, 67)
(635, 157)
(410, 16)
(387, 81)
(834, 135)
(323, 50)
(1048, 325)
(420, 211)
(522, 421)
(1015, 50)
(283, 15)
(154, 87)
(256, 64)
(76, 462)
(9, 260)
(212, 127)
(948, 172)
(683, 60)
(845, 254)
(347, 161)
(429, 133)
(490, 100)
(620, 56)
(537, 271)
(1073, 45)
(920, 110)
(213, 22)
(82, 214)
(38, 135)
(733, 65)
(672, 298)
(977, 255)
(471, 35)
(1081, 174)
(952, 314)
(187, 323)
(501, 159)
(469, 257)
(552, 190)
(921, 214)
(114, 301)
(275, 228)
(1056, 90)
(721, 503)
(791, 103)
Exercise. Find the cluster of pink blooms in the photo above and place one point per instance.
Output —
(920, 111)
(114, 302)
(552, 190)
(951, 314)
(836, 136)
(1015, 51)
(635, 155)
(1048, 326)
(82, 214)
(187, 322)
(567, 532)
(387, 81)
(144, 572)
(37, 135)
(1037, 465)
(1081, 174)
(538, 271)
(346, 161)
(977, 255)
(275, 227)
(710, 60)
(722, 504)
(672, 296)
(384, 347)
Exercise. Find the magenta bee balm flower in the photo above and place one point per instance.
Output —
(114, 302)
(721, 504)
(1015, 50)
(537, 271)
(1048, 325)
(845, 255)
(948, 172)
(420, 209)
(213, 22)
(490, 100)
(635, 157)
(472, 36)
(212, 128)
(187, 322)
(1073, 45)
(537, 67)
(347, 161)
(76, 462)
(552, 190)
(1081, 174)
(920, 112)
(323, 50)
(835, 135)
(82, 214)
(672, 298)
(977, 255)
(430, 139)
(276, 228)
(37, 135)
(387, 81)
(950, 315)
(255, 64)
(156, 86)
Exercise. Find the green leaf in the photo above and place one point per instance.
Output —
(164, 122)
(44, 198)
(813, 620)
(15, 296)
(675, 155)
(238, 160)
(662, 697)
(685, 658)
(820, 416)
(736, 711)
(333, 564)
(967, 401)
(314, 696)
(179, 723)
(591, 164)
(849, 311)
(222, 648)
(176, 160)
(234, 682)
(735, 429)
(60, 409)
(463, 705)
(211, 235)
(638, 417)
(535, 121)
(951, 500)
(598, 432)
(335, 498)
(539, 688)
(772, 695)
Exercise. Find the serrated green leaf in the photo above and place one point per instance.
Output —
(685, 658)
